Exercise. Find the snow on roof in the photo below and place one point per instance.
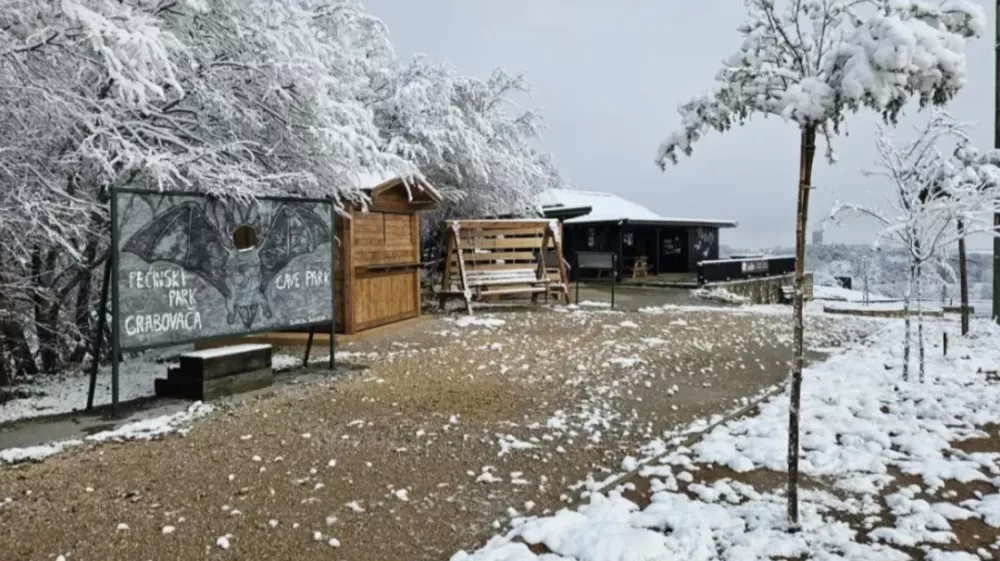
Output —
(604, 206)
(373, 178)
(608, 207)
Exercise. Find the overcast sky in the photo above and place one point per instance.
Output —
(608, 78)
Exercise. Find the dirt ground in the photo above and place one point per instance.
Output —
(440, 434)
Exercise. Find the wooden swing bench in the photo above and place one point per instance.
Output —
(487, 258)
(510, 281)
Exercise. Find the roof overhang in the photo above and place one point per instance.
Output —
(665, 222)
(419, 191)
(565, 212)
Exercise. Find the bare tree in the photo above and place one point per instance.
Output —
(930, 194)
(812, 62)
(863, 270)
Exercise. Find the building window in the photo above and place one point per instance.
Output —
(671, 246)
(628, 238)
(591, 236)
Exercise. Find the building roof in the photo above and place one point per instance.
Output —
(608, 207)
(374, 182)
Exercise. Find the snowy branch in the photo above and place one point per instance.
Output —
(813, 61)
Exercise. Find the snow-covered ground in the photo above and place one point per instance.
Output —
(825, 292)
(145, 429)
(880, 307)
(860, 425)
(53, 394)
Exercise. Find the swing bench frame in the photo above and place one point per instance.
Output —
(491, 258)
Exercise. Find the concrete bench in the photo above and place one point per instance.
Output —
(212, 373)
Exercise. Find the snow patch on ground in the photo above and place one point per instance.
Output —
(146, 429)
(477, 321)
(880, 306)
(55, 394)
(718, 295)
(822, 292)
(859, 421)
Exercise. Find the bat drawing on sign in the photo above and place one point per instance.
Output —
(185, 236)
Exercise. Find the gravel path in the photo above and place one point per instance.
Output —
(449, 431)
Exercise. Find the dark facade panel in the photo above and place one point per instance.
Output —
(667, 249)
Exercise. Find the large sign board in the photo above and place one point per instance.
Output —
(600, 260)
(191, 267)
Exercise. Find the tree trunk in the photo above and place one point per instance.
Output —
(906, 321)
(920, 323)
(5, 377)
(807, 150)
(963, 279)
(17, 345)
(46, 308)
(83, 309)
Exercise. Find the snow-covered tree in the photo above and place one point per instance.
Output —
(464, 136)
(811, 62)
(931, 193)
(978, 165)
(234, 97)
(237, 98)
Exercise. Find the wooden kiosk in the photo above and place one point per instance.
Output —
(489, 258)
(377, 267)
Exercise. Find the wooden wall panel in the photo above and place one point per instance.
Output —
(385, 298)
(382, 238)
(339, 303)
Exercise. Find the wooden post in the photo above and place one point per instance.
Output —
(449, 245)
(945, 343)
(963, 279)
(333, 286)
(417, 256)
(996, 144)
(541, 272)
(456, 234)
(309, 346)
(347, 250)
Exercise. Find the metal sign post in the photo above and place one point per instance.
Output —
(116, 356)
(614, 277)
(598, 261)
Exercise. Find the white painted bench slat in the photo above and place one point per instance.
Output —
(226, 351)
(510, 276)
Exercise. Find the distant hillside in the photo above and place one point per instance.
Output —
(888, 271)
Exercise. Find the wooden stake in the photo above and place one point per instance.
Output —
(996, 144)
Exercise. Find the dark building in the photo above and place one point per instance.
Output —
(604, 222)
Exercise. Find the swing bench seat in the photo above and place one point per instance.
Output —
(482, 284)
(488, 279)
(510, 281)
